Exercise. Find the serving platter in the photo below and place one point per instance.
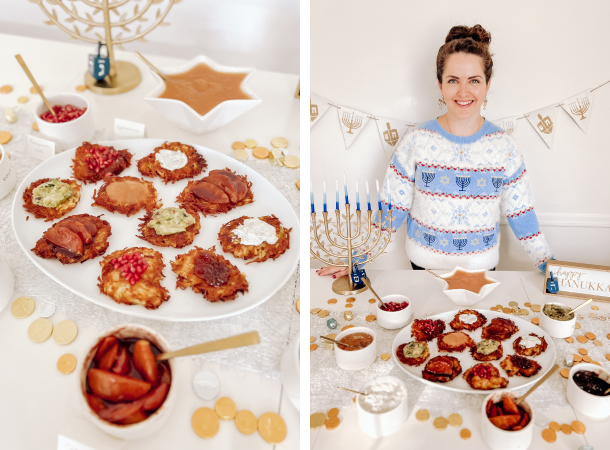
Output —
(546, 359)
(264, 279)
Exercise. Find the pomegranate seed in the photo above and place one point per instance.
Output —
(136, 277)
(116, 266)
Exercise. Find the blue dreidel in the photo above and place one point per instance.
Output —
(99, 66)
(552, 285)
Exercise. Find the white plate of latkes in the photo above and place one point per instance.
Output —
(546, 359)
(264, 279)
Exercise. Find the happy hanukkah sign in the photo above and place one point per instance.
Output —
(582, 281)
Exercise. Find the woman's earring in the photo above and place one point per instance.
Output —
(441, 103)
(485, 104)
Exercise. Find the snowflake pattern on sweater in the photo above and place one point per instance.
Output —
(450, 190)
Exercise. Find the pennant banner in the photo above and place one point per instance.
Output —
(351, 121)
(544, 120)
(317, 107)
(509, 124)
(579, 108)
(391, 132)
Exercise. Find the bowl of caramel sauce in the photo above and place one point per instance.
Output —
(201, 95)
(467, 287)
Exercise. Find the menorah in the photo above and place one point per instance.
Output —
(579, 109)
(487, 238)
(313, 111)
(509, 127)
(463, 181)
(427, 177)
(390, 136)
(352, 122)
(460, 242)
(497, 182)
(429, 237)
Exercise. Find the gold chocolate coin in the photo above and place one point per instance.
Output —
(240, 155)
(566, 429)
(312, 347)
(578, 427)
(292, 162)
(370, 318)
(5, 137)
(570, 340)
(298, 305)
(528, 304)
(535, 320)
(40, 330)
(608, 356)
(507, 310)
(582, 339)
(348, 315)
(524, 312)
(66, 363)
(333, 412)
(595, 308)
(225, 408)
(331, 336)
(549, 435)
(586, 358)
(332, 423)
(279, 142)
(493, 308)
(250, 143)
(272, 428)
(65, 332)
(349, 305)
(261, 153)
(564, 372)
(465, 434)
(598, 343)
(371, 301)
(329, 345)
(246, 422)
(22, 99)
(513, 304)
(299, 184)
(5, 89)
(455, 420)
(590, 335)
(577, 358)
(23, 307)
(238, 145)
(385, 356)
(535, 308)
(347, 327)
(608, 335)
(422, 415)
(35, 126)
(34, 91)
(577, 325)
(323, 313)
(312, 339)
(205, 423)
(81, 88)
(315, 310)
(500, 307)
(350, 299)
(440, 423)
(595, 362)
(582, 351)
(332, 301)
(554, 426)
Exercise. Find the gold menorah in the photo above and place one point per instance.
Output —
(344, 285)
(313, 111)
(352, 122)
(579, 109)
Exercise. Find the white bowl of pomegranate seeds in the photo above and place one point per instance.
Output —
(396, 314)
(73, 123)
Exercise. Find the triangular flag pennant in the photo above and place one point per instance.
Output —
(352, 122)
(391, 132)
(579, 108)
(544, 122)
(317, 107)
(508, 124)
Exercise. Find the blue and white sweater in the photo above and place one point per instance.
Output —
(450, 190)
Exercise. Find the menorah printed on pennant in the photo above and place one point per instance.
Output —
(429, 237)
(427, 177)
(463, 181)
(579, 109)
(496, 182)
(487, 238)
(352, 122)
(390, 136)
(313, 111)
(509, 127)
(460, 242)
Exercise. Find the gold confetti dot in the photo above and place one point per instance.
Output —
(524, 312)
(237, 145)
(528, 304)
(312, 347)
(66, 363)
(34, 91)
(465, 434)
(312, 339)
(81, 88)
(279, 142)
(5, 137)
(500, 307)
(582, 351)
(65, 332)
(570, 340)
(566, 429)
(272, 428)
(536, 321)
(564, 372)
(332, 301)
(370, 318)
(315, 310)
(299, 184)
(507, 310)
(598, 343)
(35, 126)
(331, 336)
(350, 299)
(371, 301)
(586, 358)
(347, 327)
(23, 99)
(577, 358)
(590, 335)
(316, 420)
(422, 415)
(554, 426)
(595, 308)
(608, 356)
(577, 325)
(493, 308)
(40, 330)
(6, 89)
(22, 307)
(323, 313)
(582, 339)
(455, 420)
(240, 155)
(250, 143)
(205, 423)
(513, 304)
(332, 423)
(578, 427)
(349, 305)
(608, 335)
(595, 362)
(298, 305)
(440, 423)
(549, 435)
(333, 412)
(263, 153)
(385, 356)
(354, 399)
(225, 408)
(246, 422)
(535, 308)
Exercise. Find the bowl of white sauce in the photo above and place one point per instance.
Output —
(384, 410)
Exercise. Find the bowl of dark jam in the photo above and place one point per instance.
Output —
(586, 391)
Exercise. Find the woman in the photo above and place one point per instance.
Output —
(454, 174)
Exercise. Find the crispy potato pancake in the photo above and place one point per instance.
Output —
(412, 361)
(231, 243)
(484, 377)
(533, 351)
(494, 356)
(103, 200)
(454, 341)
(47, 250)
(177, 240)
(442, 369)
(457, 324)
(426, 329)
(150, 167)
(49, 214)
(184, 267)
(147, 291)
(499, 329)
(85, 174)
(518, 365)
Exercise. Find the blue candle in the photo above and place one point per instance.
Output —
(311, 195)
(378, 194)
(357, 197)
(368, 197)
(389, 196)
(345, 190)
(337, 198)
(324, 195)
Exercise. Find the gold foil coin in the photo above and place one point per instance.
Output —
(524, 312)
(348, 315)
(577, 358)
(422, 415)
(225, 408)
(34, 91)
(279, 142)
(577, 325)
(22, 99)
(5, 137)
(535, 308)
(332, 423)
(351, 299)
(493, 308)
(81, 88)
(455, 420)
(250, 143)
(65, 332)
(582, 339)
(578, 427)
(566, 429)
(312, 339)
(315, 310)
(238, 145)
(586, 358)
(5, 89)
(513, 304)
(205, 423)
(527, 304)
(272, 428)
(299, 184)
(40, 330)
(595, 308)
(465, 434)
(316, 420)
(312, 347)
(246, 422)
(66, 363)
(582, 351)
(564, 372)
(347, 327)
(549, 435)
(261, 153)
(590, 335)
(507, 310)
(292, 162)
(332, 301)
(500, 307)
(554, 426)
(598, 342)
(440, 423)
(349, 305)
(35, 126)
(22, 307)
(331, 336)
(535, 320)
(298, 305)
(385, 356)
(333, 412)
(595, 362)
(323, 313)
(240, 155)
(570, 340)
(608, 335)
(370, 318)
(371, 301)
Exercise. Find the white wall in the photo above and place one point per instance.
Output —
(380, 57)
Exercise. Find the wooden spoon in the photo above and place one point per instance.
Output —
(581, 305)
(437, 276)
(240, 340)
(368, 285)
(31, 77)
(349, 390)
(153, 68)
(538, 383)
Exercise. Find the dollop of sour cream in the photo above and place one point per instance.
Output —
(468, 318)
(530, 341)
(382, 396)
(171, 160)
(255, 232)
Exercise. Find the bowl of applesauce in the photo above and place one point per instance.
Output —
(201, 95)
(467, 287)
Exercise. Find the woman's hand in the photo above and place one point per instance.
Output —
(336, 272)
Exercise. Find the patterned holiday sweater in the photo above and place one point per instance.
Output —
(450, 189)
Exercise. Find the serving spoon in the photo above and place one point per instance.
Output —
(368, 285)
(350, 390)
(538, 383)
(31, 77)
(337, 342)
(581, 305)
(239, 340)
(153, 68)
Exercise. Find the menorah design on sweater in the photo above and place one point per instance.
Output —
(427, 177)
(429, 237)
(352, 122)
(463, 181)
(497, 182)
(460, 242)
(579, 109)
(487, 238)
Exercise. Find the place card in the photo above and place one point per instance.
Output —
(125, 129)
(83, 435)
(40, 148)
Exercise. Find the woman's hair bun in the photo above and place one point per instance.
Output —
(476, 33)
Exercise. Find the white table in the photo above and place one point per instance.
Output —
(36, 401)
(426, 297)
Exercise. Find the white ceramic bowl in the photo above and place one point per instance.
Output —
(7, 175)
(185, 117)
(463, 297)
(557, 328)
(588, 404)
(358, 359)
(289, 371)
(498, 439)
(7, 282)
(393, 320)
(386, 423)
(67, 134)
(160, 416)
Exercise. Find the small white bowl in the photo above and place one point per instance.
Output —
(160, 416)
(498, 439)
(557, 328)
(590, 405)
(463, 297)
(393, 320)
(289, 371)
(358, 359)
(7, 175)
(67, 134)
(386, 423)
(185, 117)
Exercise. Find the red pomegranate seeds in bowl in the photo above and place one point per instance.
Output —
(394, 306)
(63, 114)
(72, 123)
(395, 314)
